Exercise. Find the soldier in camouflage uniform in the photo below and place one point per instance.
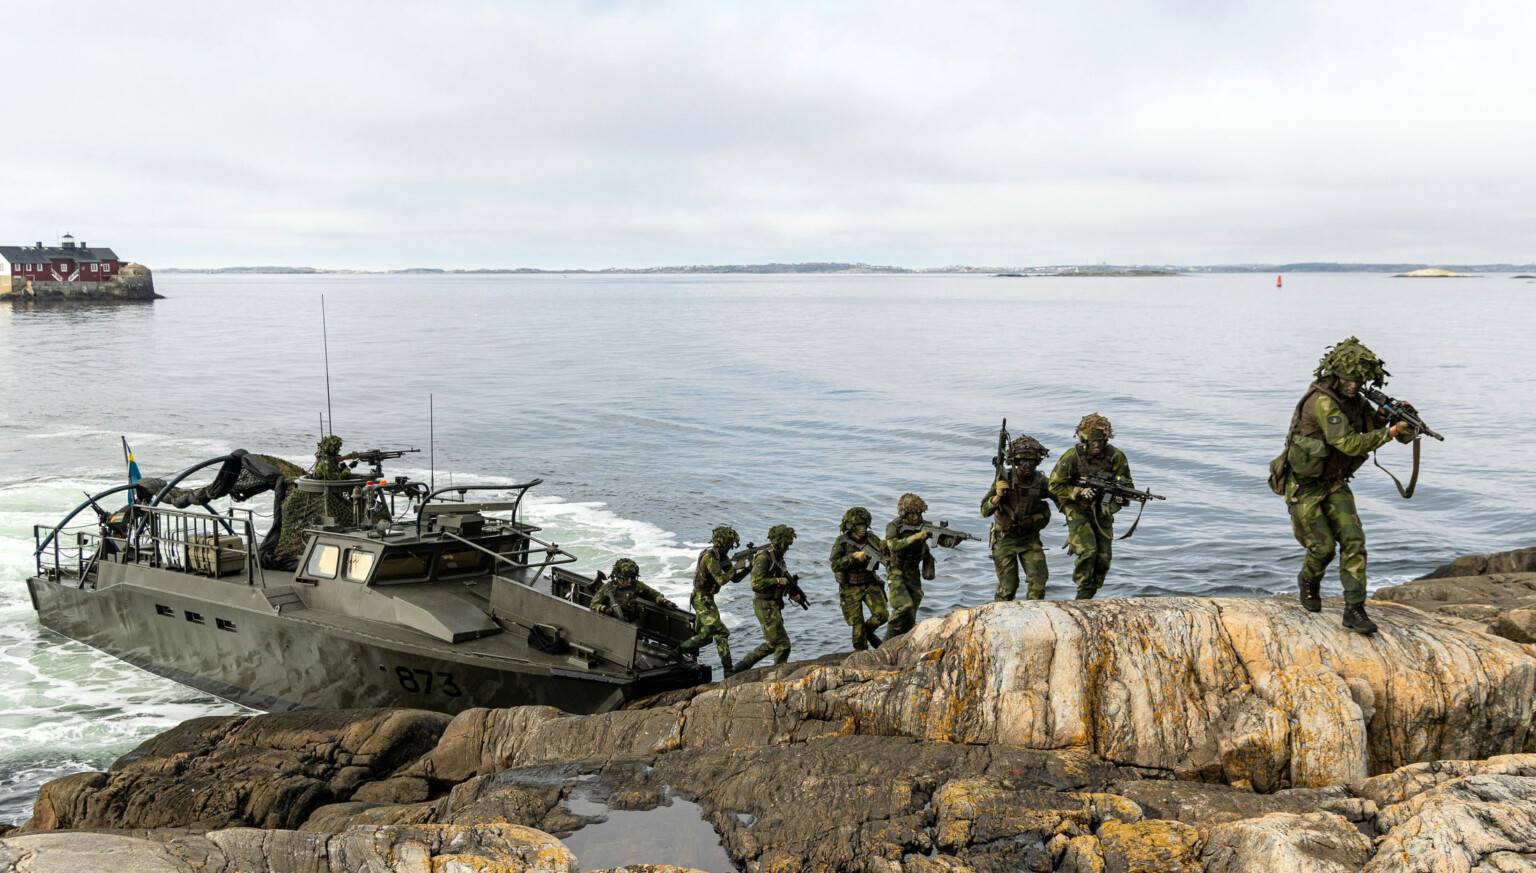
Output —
(1019, 505)
(304, 509)
(911, 563)
(712, 572)
(1090, 522)
(771, 583)
(1332, 431)
(621, 589)
(858, 587)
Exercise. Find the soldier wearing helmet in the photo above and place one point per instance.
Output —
(622, 588)
(911, 563)
(1090, 523)
(711, 572)
(858, 588)
(1019, 504)
(771, 583)
(1332, 431)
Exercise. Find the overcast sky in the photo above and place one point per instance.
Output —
(590, 134)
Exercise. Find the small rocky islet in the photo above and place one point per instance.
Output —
(1137, 734)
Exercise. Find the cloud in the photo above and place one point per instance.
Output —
(389, 134)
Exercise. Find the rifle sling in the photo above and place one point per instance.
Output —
(1413, 479)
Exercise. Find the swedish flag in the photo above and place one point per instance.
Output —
(133, 468)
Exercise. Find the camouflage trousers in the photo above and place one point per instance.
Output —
(710, 627)
(1323, 521)
(1011, 550)
(770, 617)
(854, 600)
(1090, 538)
(906, 596)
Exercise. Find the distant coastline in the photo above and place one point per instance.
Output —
(845, 268)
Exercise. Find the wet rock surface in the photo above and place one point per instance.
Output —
(1119, 735)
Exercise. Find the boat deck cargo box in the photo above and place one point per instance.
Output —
(217, 554)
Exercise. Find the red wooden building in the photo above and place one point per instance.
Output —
(66, 262)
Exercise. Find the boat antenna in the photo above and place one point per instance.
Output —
(326, 344)
(431, 446)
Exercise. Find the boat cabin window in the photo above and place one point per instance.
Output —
(465, 561)
(359, 565)
(409, 565)
(323, 562)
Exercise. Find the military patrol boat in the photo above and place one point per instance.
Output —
(446, 604)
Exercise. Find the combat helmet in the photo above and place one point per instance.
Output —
(1351, 360)
(1026, 448)
(781, 535)
(1094, 427)
(855, 517)
(911, 504)
(724, 537)
(330, 445)
(624, 568)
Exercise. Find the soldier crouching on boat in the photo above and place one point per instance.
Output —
(622, 588)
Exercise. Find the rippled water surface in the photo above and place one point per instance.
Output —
(655, 407)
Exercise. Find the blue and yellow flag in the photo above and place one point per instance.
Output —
(133, 468)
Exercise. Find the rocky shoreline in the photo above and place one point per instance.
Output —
(1139, 734)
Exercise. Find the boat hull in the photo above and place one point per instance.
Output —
(262, 658)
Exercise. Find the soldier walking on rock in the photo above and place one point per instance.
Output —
(622, 588)
(911, 563)
(1332, 431)
(858, 588)
(712, 572)
(771, 583)
(1019, 506)
(1090, 520)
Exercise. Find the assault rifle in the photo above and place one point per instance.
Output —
(793, 592)
(1106, 489)
(1000, 460)
(374, 458)
(748, 553)
(941, 532)
(875, 558)
(1398, 410)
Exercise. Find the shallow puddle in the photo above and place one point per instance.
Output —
(673, 834)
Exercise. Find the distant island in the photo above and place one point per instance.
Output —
(820, 267)
(1434, 273)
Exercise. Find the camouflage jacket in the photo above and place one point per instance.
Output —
(1346, 428)
(1024, 508)
(1071, 465)
(906, 553)
(713, 572)
(621, 598)
(770, 576)
(848, 570)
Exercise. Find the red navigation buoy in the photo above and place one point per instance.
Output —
(1277, 282)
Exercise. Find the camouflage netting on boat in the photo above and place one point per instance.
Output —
(240, 478)
(304, 509)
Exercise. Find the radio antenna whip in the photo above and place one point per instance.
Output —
(431, 446)
(326, 344)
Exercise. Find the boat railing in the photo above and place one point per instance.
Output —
(201, 543)
(553, 556)
(55, 558)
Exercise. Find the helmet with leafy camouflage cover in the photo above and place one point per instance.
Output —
(781, 535)
(911, 504)
(855, 517)
(724, 537)
(1026, 447)
(1095, 427)
(1351, 360)
(624, 568)
(330, 444)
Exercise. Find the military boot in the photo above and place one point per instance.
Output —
(1311, 593)
(726, 667)
(1356, 620)
(872, 638)
(1085, 593)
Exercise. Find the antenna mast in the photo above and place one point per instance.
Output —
(326, 344)
(431, 446)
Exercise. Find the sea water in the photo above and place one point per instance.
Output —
(655, 407)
